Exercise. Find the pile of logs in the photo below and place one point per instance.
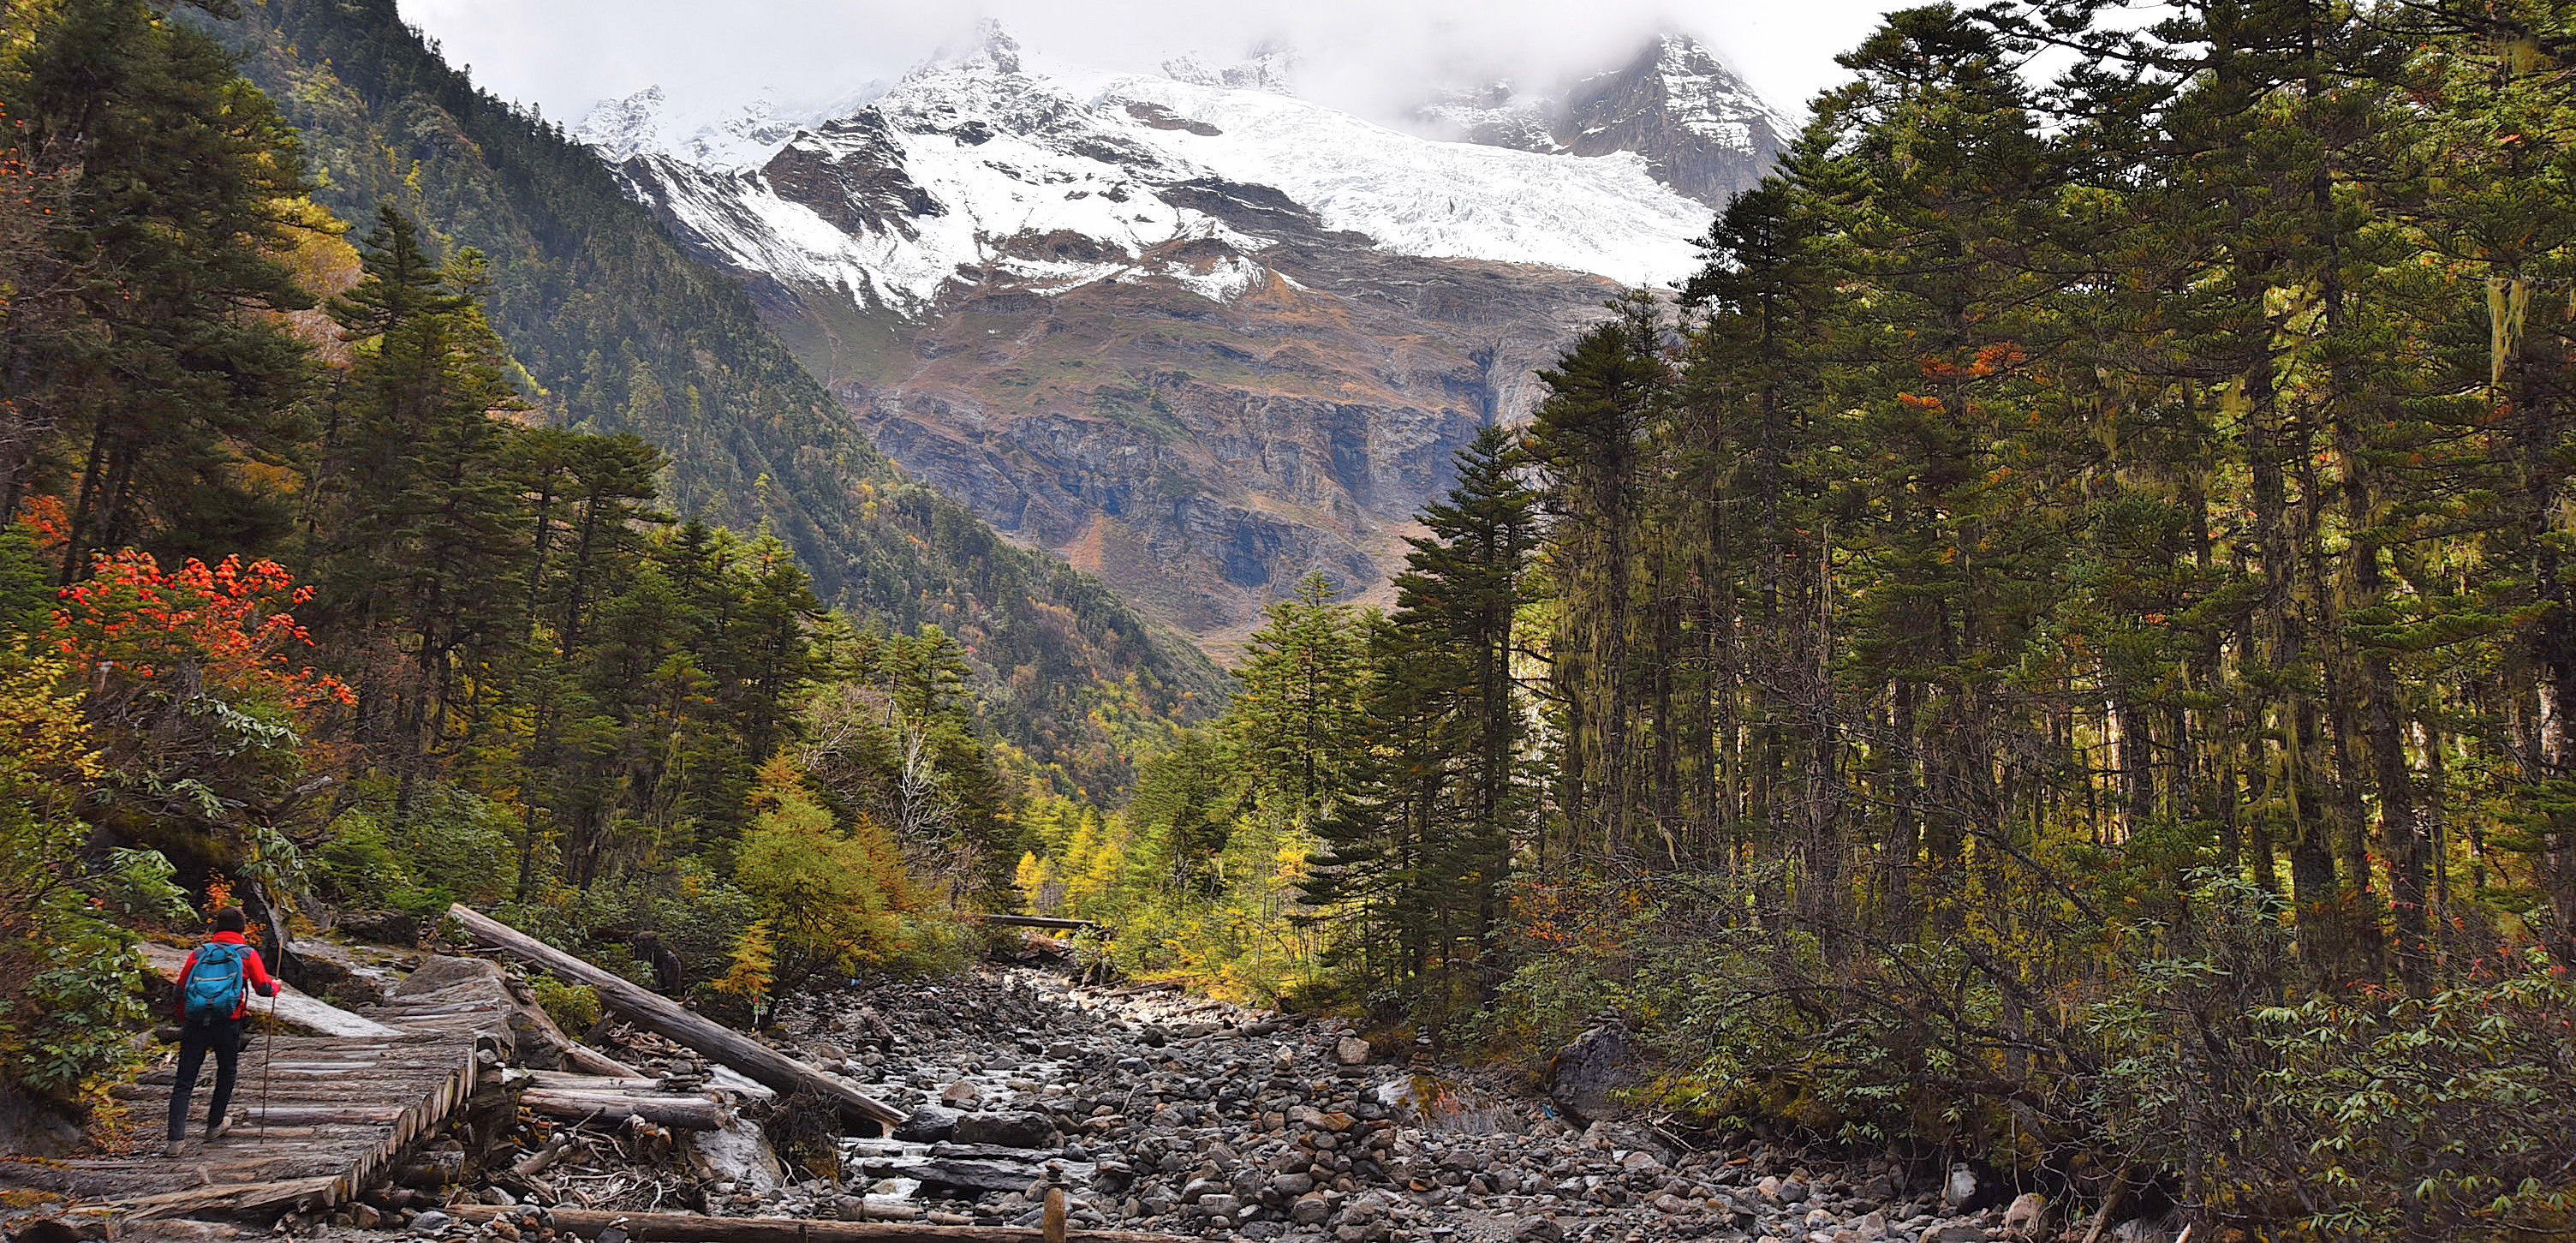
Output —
(614, 1099)
(656, 1013)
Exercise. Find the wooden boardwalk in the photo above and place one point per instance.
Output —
(340, 1110)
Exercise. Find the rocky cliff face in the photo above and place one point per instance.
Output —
(1203, 455)
(1188, 331)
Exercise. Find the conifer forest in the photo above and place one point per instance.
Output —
(2055, 647)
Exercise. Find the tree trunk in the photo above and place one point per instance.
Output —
(660, 1015)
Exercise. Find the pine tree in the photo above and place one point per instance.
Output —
(177, 184)
(418, 525)
(1418, 849)
(1588, 439)
(1295, 721)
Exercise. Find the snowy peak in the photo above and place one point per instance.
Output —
(979, 170)
(1270, 69)
(1493, 114)
(993, 51)
(1700, 129)
(1705, 132)
(620, 129)
(646, 123)
(1196, 333)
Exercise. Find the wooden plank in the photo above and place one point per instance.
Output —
(692, 1228)
(239, 1197)
(657, 1013)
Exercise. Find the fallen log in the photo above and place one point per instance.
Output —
(293, 1010)
(1035, 921)
(588, 1060)
(691, 1228)
(572, 1081)
(681, 1113)
(658, 1014)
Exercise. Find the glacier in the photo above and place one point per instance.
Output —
(1057, 179)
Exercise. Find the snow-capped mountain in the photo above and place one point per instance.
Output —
(647, 123)
(1194, 332)
(968, 160)
(1700, 129)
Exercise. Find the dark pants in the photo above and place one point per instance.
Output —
(224, 1038)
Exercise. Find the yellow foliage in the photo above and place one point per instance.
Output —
(752, 968)
(831, 897)
(43, 736)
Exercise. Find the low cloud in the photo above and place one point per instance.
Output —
(1374, 57)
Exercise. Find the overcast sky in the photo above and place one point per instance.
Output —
(1370, 56)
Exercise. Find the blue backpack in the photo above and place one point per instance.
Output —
(215, 984)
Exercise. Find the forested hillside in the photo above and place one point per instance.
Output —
(620, 331)
(305, 604)
(2060, 651)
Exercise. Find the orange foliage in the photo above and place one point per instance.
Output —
(47, 521)
(228, 621)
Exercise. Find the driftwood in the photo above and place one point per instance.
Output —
(659, 1014)
(691, 1228)
(2110, 1203)
(684, 1113)
(536, 1162)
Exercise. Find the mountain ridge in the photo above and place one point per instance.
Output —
(1202, 339)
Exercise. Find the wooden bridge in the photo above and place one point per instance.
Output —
(339, 1109)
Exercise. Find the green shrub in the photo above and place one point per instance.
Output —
(2443, 1117)
(574, 1007)
(138, 884)
(453, 846)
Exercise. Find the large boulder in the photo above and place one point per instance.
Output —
(1587, 1075)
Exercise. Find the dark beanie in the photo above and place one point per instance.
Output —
(230, 919)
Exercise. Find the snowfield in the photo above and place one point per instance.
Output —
(1058, 181)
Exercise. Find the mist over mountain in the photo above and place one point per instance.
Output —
(1373, 59)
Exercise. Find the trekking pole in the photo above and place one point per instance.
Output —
(267, 1052)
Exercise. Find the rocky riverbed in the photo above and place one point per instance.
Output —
(1159, 1112)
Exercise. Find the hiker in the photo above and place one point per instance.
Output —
(213, 994)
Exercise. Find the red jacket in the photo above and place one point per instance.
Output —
(253, 970)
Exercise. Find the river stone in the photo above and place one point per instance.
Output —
(2028, 1216)
(929, 1124)
(1007, 1130)
(1351, 1051)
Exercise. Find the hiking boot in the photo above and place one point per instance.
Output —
(175, 1148)
(217, 1130)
